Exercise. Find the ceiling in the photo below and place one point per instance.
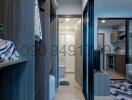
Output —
(105, 4)
(110, 23)
(68, 25)
(113, 5)
(69, 7)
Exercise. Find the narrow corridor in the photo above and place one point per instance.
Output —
(71, 92)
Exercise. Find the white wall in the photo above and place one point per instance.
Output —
(107, 31)
(122, 27)
(69, 7)
(84, 2)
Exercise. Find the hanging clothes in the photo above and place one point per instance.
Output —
(38, 29)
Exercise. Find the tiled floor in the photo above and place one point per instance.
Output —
(103, 98)
(72, 92)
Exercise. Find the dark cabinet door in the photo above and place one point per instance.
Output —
(121, 65)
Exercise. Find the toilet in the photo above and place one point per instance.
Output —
(62, 69)
(52, 88)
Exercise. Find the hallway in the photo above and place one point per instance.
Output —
(72, 92)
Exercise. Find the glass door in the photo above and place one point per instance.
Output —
(129, 51)
(129, 42)
(88, 51)
(85, 53)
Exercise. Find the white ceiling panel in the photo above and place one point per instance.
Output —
(110, 23)
(69, 7)
(113, 5)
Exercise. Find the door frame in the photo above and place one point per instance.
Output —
(85, 53)
(58, 17)
(88, 52)
(127, 40)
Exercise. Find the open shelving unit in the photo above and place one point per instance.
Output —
(119, 36)
(11, 63)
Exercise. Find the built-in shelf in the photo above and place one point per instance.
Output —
(123, 34)
(123, 40)
(113, 41)
(6, 64)
(119, 36)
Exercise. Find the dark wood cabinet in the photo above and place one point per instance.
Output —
(121, 64)
(114, 37)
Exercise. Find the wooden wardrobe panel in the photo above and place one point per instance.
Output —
(43, 59)
(19, 23)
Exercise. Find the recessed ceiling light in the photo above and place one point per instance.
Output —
(67, 19)
(67, 27)
(103, 21)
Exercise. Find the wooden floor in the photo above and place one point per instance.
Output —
(114, 75)
(72, 92)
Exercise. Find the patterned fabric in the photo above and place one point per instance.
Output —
(8, 51)
(38, 30)
(121, 90)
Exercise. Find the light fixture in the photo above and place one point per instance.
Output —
(103, 21)
(67, 27)
(79, 21)
(67, 19)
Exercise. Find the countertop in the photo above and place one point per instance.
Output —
(115, 54)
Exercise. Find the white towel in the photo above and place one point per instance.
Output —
(38, 29)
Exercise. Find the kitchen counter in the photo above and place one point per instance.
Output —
(116, 54)
(117, 62)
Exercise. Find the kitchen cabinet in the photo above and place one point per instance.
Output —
(118, 36)
(121, 64)
(117, 63)
(114, 37)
